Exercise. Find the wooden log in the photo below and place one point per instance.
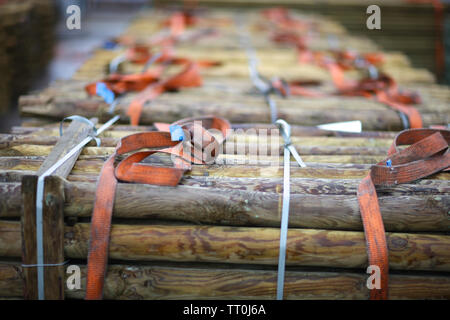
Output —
(240, 135)
(322, 155)
(93, 165)
(301, 131)
(11, 145)
(132, 282)
(298, 185)
(247, 208)
(161, 112)
(239, 245)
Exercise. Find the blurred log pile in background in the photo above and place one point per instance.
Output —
(26, 45)
(414, 27)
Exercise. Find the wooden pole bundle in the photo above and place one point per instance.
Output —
(238, 209)
(227, 34)
(216, 234)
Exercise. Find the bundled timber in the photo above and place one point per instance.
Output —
(226, 87)
(225, 219)
(216, 234)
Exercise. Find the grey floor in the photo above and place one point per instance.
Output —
(73, 47)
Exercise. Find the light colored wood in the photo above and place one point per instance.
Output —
(239, 245)
(247, 208)
(131, 282)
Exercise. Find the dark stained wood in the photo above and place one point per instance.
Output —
(11, 280)
(53, 232)
(29, 255)
(125, 282)
(250, 246)
(211, 205)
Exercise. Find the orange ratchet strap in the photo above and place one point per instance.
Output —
(121, 83)
(281, 17)
(188, 77)
(383, 89)
(131, 170)
(427, 154)
(295, 88)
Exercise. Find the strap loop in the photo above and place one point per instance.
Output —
(131, 170)
(427, 154)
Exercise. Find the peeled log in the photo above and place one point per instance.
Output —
(170, 112)
(246, 208)
(127, 282)
(26, 150)
(237, 245)
(17, 145)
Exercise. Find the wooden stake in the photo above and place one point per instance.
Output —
(52, 217)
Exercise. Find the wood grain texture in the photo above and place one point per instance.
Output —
(28, 145)
(333, 155)
(53, 237)
(132, 282)
(11, 280)
(314, 209)
(76, 132)
(165, 112)
(239, 245)
(93, 165)
(28, 236)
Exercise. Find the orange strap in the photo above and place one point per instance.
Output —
(188, 77)
(131, 170)
(427, 154)
(121, 83)
(383, 89)
(296, 88)
(282, 19)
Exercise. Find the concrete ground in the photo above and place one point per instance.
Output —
(73, 47)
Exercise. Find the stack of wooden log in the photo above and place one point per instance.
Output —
(216, 235)
(26, 33)
(66, 98)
